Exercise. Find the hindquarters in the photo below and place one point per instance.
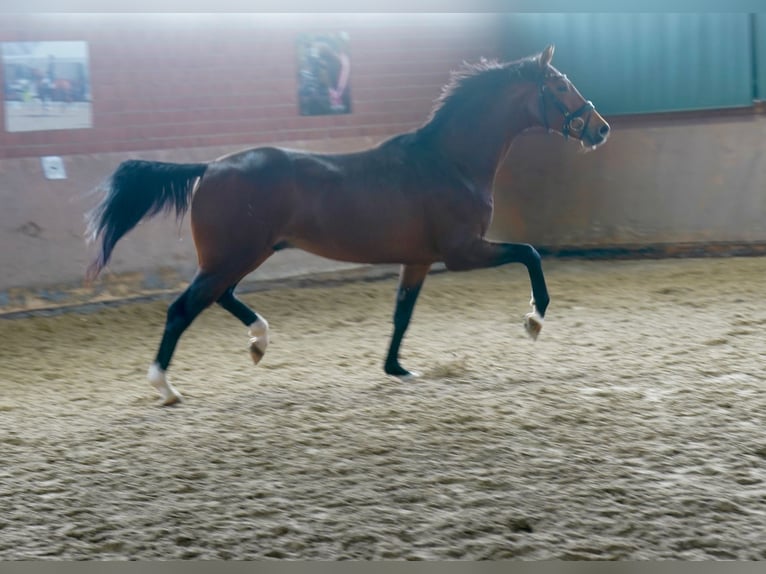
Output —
(240, 209)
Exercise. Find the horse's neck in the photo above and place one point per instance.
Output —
(477, 144)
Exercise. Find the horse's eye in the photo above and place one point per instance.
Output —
(562, 88)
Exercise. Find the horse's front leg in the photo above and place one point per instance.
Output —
(481, 254)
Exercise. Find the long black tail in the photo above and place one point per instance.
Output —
(138, 190)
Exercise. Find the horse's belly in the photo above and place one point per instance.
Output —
(369, 247)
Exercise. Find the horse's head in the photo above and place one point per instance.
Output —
(561, 108)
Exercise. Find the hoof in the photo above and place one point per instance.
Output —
(170, 396)
(168, 393)
(401, 373)
(256, 352)
(533, 323)
(259, 339)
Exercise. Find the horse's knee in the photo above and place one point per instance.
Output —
(532, 256)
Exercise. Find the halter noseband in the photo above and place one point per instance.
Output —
(573, 121)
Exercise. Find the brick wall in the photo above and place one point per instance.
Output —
(191, 87)
(168, 81)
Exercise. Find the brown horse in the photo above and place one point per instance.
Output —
(418, 198)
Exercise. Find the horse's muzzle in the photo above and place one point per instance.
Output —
(597, 132)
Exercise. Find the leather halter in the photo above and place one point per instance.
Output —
(570, 125)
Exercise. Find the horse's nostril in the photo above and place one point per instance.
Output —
(604, 130)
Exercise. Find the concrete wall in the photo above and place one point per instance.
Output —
(670, 182)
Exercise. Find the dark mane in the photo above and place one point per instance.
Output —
(472, 79)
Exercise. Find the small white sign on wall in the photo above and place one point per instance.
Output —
(53, 167)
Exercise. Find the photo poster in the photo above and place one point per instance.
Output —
(324, 70)
(46, 86)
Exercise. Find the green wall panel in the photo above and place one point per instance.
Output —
(760, 55)
(639, 63)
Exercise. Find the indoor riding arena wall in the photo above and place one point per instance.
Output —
(660, 187)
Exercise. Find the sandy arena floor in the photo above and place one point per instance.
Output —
(634, 428)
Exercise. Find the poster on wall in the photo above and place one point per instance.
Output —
(46, 86)
(324, 69)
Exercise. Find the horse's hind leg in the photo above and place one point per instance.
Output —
(258, 326)
(200, 294)
(410, 281)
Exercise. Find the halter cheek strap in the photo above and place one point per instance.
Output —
(569, 117)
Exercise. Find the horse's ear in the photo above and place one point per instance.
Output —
(546, 56)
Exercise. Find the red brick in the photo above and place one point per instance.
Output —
(164, 81)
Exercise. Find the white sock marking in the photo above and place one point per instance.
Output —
(159, 381)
